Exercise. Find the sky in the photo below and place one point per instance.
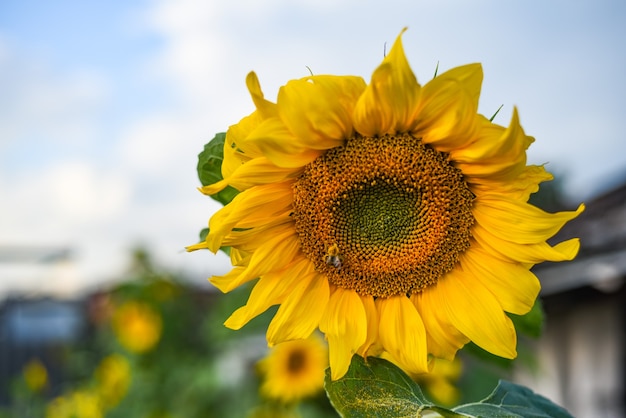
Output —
(104, 106)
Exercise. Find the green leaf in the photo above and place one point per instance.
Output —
(530, 324)
(486, 357)
(210, 168)
(377, 388)
(511, 400)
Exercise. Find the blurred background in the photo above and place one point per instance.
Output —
(104, 107)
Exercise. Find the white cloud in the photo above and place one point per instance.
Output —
(59, 203)
(192, 52)
(83, 193)
(155, 144)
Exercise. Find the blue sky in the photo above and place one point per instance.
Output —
(105, 105)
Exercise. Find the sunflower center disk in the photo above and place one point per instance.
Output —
(383, 216)
(296, 362)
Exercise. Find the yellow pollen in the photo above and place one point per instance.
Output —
(383, 216)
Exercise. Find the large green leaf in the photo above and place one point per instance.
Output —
(377, 388)
(210, 168)
(511, 400)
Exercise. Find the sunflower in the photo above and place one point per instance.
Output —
(78, 404)
(294, 370)
(35, 375)
(137, 326)
(113, 377)
(391, 216)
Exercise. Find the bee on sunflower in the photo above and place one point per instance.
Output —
(391, 216)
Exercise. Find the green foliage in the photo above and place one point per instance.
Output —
(511, 400)
(550, 196)
(530, 324)
(210, 168)
(197, 369)
(483, 370)
(376, 388)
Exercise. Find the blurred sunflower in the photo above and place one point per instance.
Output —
(78, 404)
(294, 370)
(392, 216)
(35, 375)
(113, 377)
(137, 326)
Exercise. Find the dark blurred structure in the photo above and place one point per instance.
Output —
(37, 329)
(581, 360)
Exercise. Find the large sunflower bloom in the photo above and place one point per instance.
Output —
(391, 216)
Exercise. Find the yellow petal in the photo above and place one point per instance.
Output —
(388, 103)
(265, 108)
(248, 240)
(271, 289)
(443, 338)
(345, 326)
(254, 172)
(250, 208)
(525, 253)
(280, 146)
(475, 312)
(526, 183)
(199, 246)
(223, 283)
(370, 347)
(519, 222)
(446, 115)
(317, 110)
(513, 285)
(497, 153)
(402, 333)
(235, 152)
(276, 252)
(239, 257)
(300, 313)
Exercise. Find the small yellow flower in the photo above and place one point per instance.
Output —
(137, 326)
(35, 375)
(78, 404)
(113, 377)
(294, 370)
(391, 216)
